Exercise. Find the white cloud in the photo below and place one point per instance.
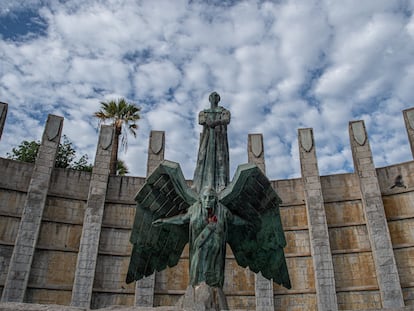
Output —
(157, 78)
(278, 66)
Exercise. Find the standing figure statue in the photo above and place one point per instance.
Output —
(244, 213)
(212, 167)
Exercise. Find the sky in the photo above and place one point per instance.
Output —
(277, 65)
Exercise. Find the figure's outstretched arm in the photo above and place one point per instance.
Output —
(175, 220)
(237, 220)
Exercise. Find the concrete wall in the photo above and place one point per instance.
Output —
(357, 285)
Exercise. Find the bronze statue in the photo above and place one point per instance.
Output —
(212, 167)
(208, 220)
(214, 212)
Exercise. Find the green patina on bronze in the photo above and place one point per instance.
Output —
(212, 169)
(244, 214)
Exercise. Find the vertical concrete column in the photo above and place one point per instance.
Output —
(3, 114)
(318, 228)
(255, 151)
(92, 222)
(409, 125)
(385, 266)
(263, 287)
(26, 239)
(156, 150)
(144, 289)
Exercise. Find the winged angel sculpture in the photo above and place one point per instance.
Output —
(243, 213)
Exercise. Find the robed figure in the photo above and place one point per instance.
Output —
(244, 213)
(212, 169)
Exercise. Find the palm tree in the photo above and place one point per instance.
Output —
(121, 168)
(122, 115)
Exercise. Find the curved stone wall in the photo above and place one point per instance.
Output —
(54, 263)
(355, 271)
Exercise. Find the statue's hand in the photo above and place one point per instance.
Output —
(158, 222)
(212, 123)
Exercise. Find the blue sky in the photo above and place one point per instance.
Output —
(278, 66)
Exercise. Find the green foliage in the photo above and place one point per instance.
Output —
(121, 114)
(66, 154)
(121, 168)
(65, 158)
(123, 117)
(25, 152)
(82, 164)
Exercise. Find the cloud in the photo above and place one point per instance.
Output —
(278, 66)
(148, 79)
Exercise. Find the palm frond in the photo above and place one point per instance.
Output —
(122, 115)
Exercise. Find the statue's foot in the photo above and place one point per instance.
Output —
(202, 297)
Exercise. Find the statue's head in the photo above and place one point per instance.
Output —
(214, 99)
(208, 198)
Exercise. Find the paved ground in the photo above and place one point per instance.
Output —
(39, 307)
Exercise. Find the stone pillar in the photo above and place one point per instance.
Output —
(92, 222)
(26, 239)
(3, 114)
(263, 287)
(156, 150)
(379, 236)
(409, 125)
(144, 289)
(318, 228)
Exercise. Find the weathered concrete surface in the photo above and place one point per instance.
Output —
(3, 115)
(89, 243)
(263, 287)
(14, 306)
(409, 125)
(318, 228)
(355, 273)
(144, 289)
(27, 235)
(203, 298)
(382, 249)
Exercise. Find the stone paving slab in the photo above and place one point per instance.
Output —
(14, 306)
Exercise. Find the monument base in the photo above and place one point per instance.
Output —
(203, 298)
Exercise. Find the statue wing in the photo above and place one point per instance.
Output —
(258, 241)
(164, 194)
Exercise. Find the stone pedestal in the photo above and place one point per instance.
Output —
(203, 298)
